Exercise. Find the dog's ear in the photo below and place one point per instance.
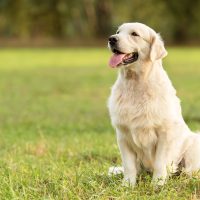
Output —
(158, 50)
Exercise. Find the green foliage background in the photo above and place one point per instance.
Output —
(178, 21)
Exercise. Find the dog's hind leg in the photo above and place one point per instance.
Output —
(192, 155)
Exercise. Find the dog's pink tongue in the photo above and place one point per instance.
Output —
(116, 59)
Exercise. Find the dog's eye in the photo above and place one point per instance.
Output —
(134, 34)
(117, 32)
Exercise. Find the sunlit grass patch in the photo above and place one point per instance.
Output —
(56, 138)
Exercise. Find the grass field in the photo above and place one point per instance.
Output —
(56, 141)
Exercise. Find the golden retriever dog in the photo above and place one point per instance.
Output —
(145, 111)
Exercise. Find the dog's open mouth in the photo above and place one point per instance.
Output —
(118, 58)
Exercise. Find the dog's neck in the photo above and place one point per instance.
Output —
(129, 74)
(140, 72)
(151, 73)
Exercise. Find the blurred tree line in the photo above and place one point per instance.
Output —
(177, 21)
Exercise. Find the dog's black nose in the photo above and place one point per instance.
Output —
(112, 40)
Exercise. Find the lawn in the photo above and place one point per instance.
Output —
(56, 141)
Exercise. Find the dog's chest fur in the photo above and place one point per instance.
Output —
(137, 111)
(136, 106)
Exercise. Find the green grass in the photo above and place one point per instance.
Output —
(56, 141)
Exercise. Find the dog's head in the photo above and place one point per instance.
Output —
(135, 42)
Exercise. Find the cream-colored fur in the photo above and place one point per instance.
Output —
(146, 112)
